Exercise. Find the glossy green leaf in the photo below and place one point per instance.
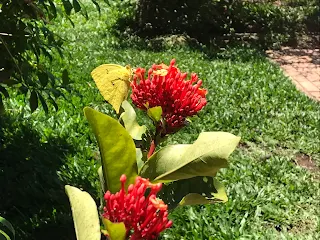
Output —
(85, 214)
(116, 231)
(33, 101)
(139, 157)
(117, 149)
(217, 195)
(155, 113)
(196, 190)
(204, 157)
(8, 225)
(102, 181)
(129, 119)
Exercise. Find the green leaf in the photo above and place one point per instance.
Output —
(218, 194)
(128, 117)
(67, 6)
(155, 113)
(65, 77)
(85, 214)
(76, 6)
(55, 105)
(43, 78)
(4, 236)
(97, 6)
(117, 149)
(116, 231)
(204, 157)
(102, 182)
(8, 225)
(53, 9)
(139, 157)
(5, 76)
(43, 103)
(196, 190)
(4, 91)
(2, 108)
(33, 101)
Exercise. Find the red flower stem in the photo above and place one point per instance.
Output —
(152, 148)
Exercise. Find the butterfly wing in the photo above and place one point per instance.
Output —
(113, 83)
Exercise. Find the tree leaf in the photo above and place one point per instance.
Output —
(65, 77)
(117, 149)
(8, 225)
(53, 9)
(67, 6)
(128, 117)
(43, 78)
(155, 113)
(5, 75)
(97, 6)
(113, 83)
(44, 104)
(85, 214)
(116, 231)
(2, 108)
(55, 105)
(204, 157)
(33, 101)
(4, 91)
(76, 6)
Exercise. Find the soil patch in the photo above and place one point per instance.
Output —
(305, 161)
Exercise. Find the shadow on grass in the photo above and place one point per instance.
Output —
(32, 196)
(232, 48)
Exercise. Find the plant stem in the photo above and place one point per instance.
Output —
(152, 148)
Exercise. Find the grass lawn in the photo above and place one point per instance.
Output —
(270, 195)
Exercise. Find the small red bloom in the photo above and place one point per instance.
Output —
(143, 215)
(167, 87)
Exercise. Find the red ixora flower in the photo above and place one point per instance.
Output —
(143, 215)
(167, 87)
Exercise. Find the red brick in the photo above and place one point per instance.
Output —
(313, 77)
(315, 95)
(300, 79)
(317, 84)
(309, 87)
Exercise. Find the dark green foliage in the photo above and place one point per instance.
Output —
(28, 48)
(272, 23)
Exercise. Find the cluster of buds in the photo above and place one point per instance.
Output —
(143, 215)
(167, 87)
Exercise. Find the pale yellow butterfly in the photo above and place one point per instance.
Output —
(113, 82)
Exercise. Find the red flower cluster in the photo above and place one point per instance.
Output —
(167, 87)
(143, 215)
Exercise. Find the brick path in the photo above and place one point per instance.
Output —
(302, 66)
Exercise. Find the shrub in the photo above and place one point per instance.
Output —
(28, 47)
(207, 19)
